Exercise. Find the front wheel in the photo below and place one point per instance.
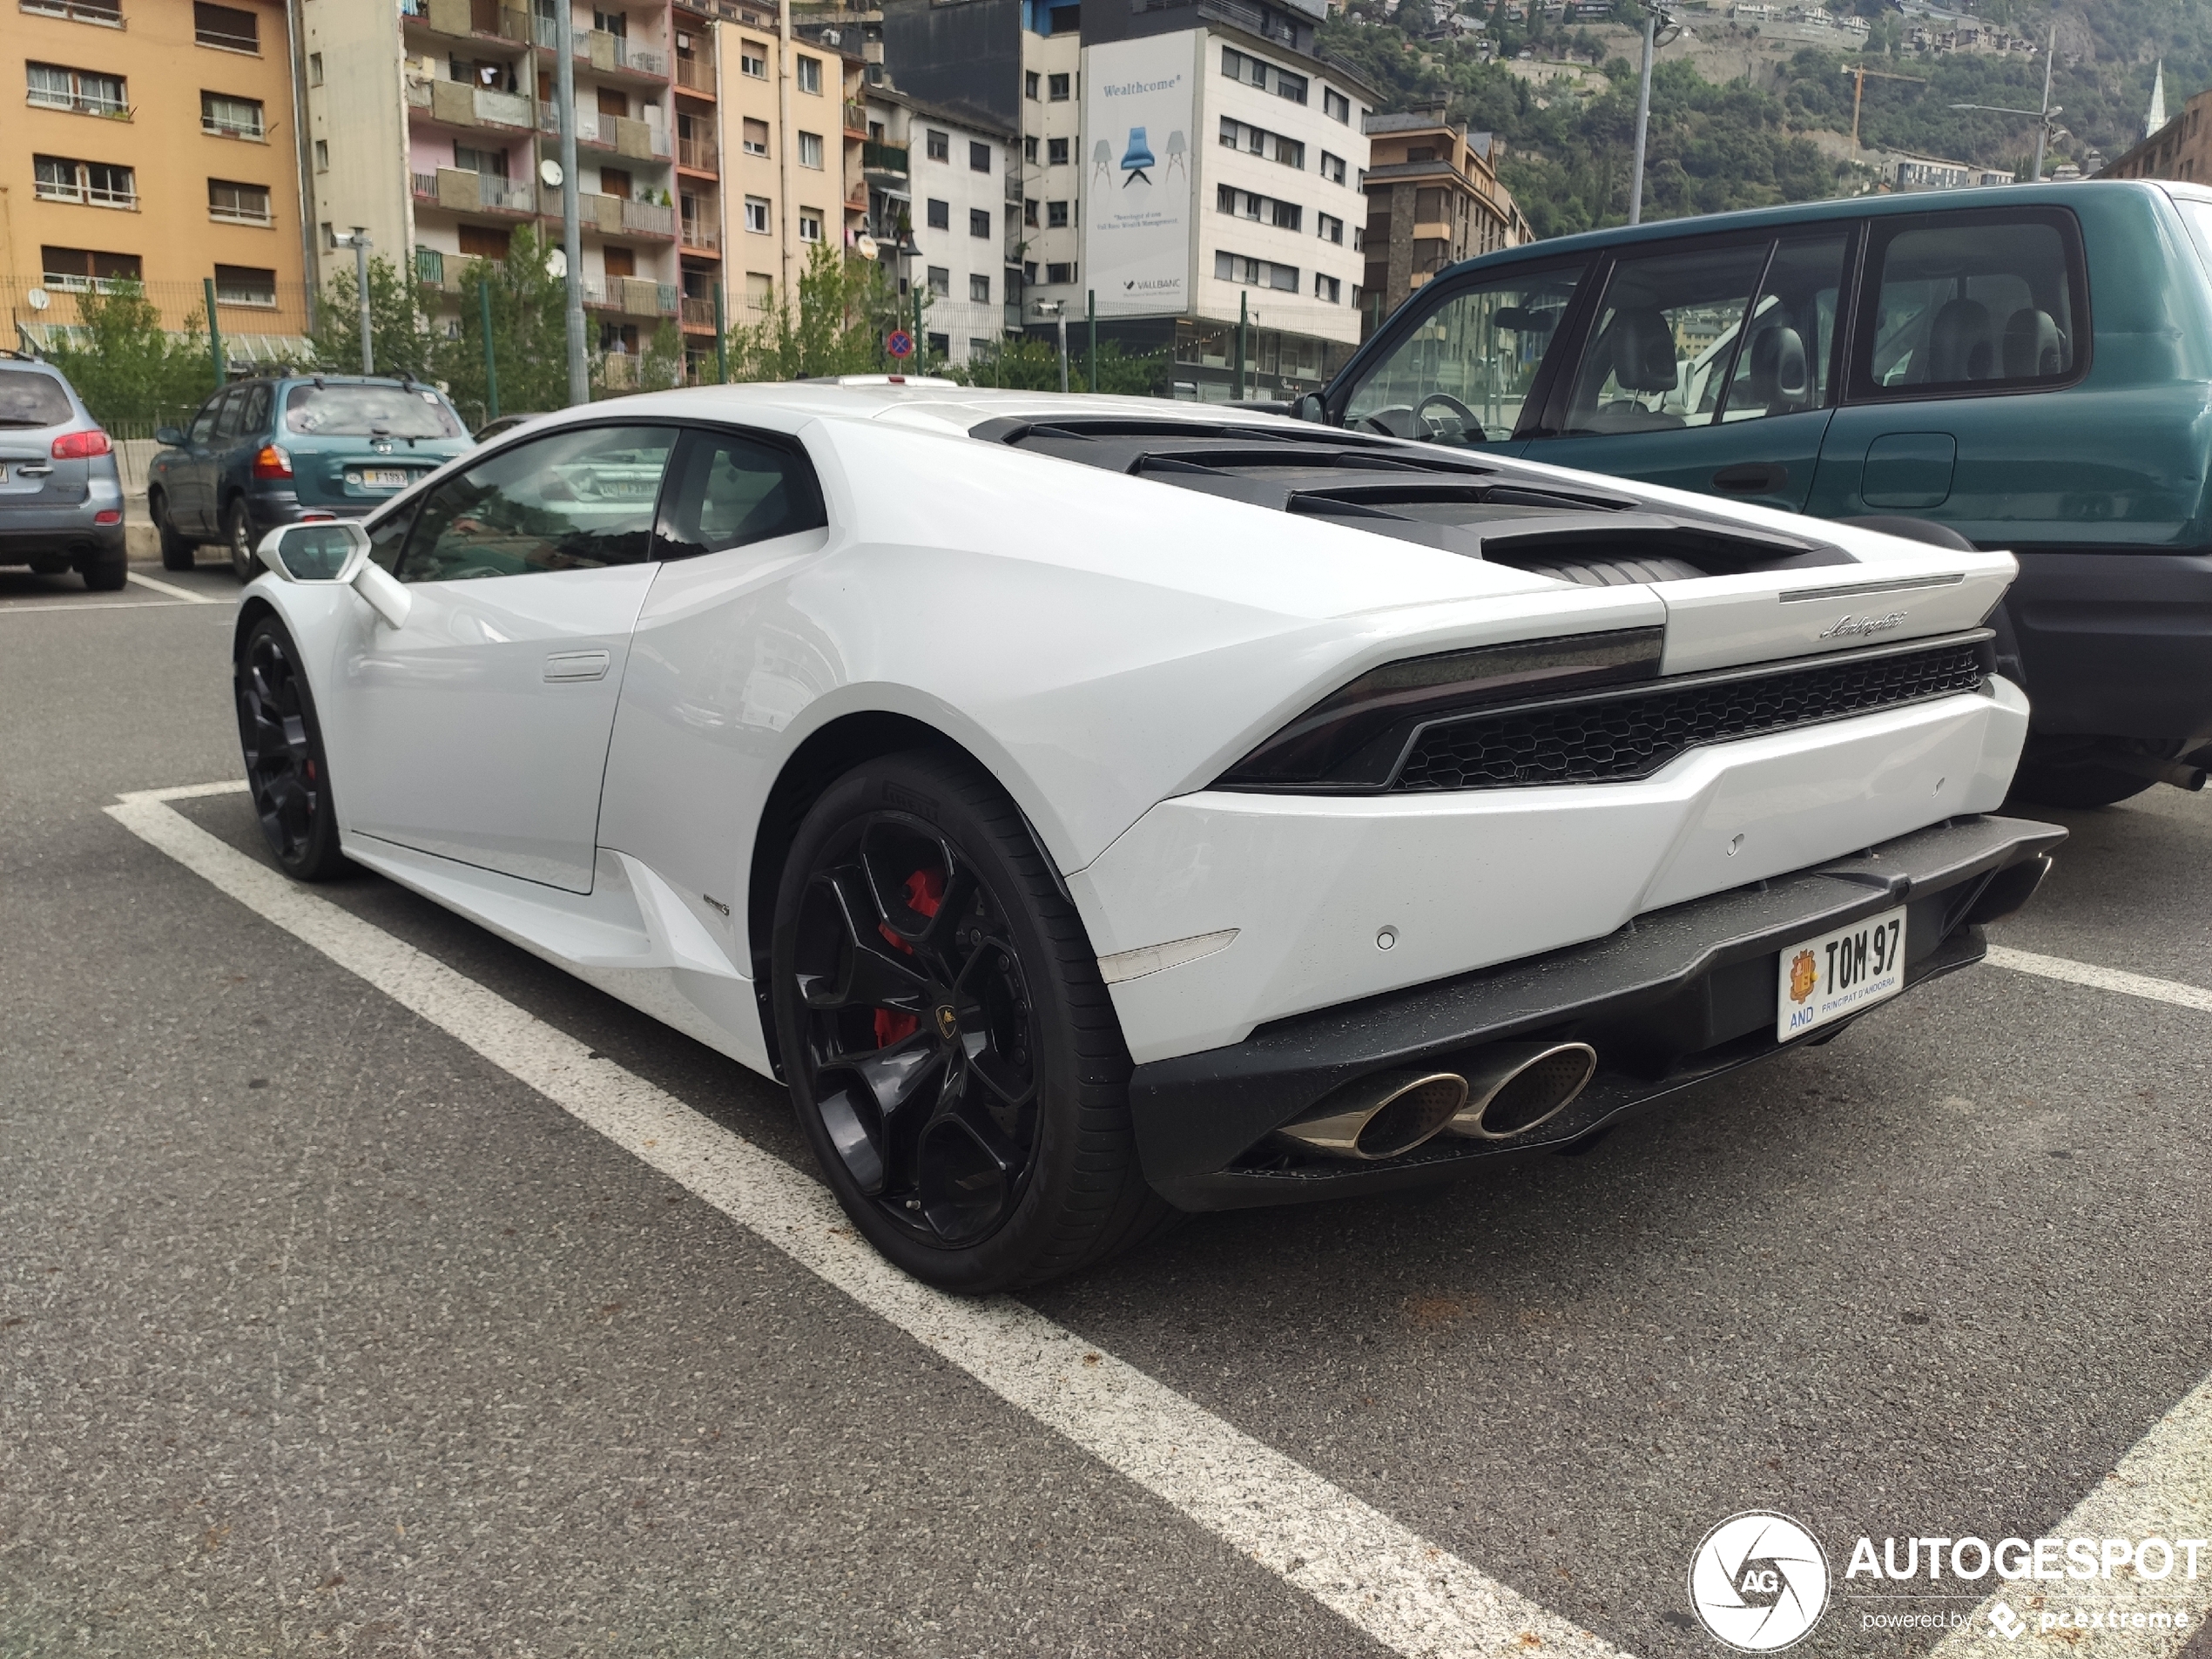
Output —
(953, 1054)
(284, 769)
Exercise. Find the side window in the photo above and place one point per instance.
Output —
(227, 413)
(1461, 376)
(728, 491)
(1782, 366)
(1664, 338)
(203, 424)
(570, 501)
(1971, 300)
(256, 418)
(388, 536)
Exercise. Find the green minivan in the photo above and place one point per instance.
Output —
(2026, 367)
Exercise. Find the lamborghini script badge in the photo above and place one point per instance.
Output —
(1848, 626)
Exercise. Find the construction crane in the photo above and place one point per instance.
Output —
(1859, 72)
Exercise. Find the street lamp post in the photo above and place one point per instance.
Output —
(1057, 309)
(1659, 30)
(2042, 116)
(358, 239)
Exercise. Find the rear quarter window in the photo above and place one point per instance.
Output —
(1966, 302)
(28, 399)
(368, 411)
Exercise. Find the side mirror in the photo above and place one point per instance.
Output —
(1309, 408)
(169, 437)
(334, 553)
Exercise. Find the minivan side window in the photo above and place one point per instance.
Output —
(1461, 376)
(1664, 339)
(203, 424)
(1970, 302)
(1782, 366)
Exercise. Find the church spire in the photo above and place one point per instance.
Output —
(2157, 119)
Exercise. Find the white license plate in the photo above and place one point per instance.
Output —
(382, 477)
(1824, 979)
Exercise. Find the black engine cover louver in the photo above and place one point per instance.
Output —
(1617, 738)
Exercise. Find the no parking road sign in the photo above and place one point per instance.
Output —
(900, 343)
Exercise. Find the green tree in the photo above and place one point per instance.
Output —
(528, 334)
(125, 365)
(400, 339)
(845, 306)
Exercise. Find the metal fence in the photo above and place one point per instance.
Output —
(259, 322)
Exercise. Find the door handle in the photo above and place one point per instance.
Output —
(34, 472)
(569, 665)
(1752, 478)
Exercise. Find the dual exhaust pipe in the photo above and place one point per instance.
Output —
(1511, 1089)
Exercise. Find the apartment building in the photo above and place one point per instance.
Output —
(1052, 119)
(942, 193)
(153, 143)
(1433, 199)
(431, 126)
(2180, 148)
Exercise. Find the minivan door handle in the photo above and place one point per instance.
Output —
(1752, 478)
(577, 665)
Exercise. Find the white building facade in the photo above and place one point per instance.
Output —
(955, 194)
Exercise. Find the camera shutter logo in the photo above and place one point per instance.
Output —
(1758, 1581)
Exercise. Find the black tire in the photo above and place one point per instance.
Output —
(1913, 530)
(285, 772)
(953, 1054)
(106, 571)
(237, 538)
(2077, 786)
(177, 551)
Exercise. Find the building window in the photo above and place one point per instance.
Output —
(314, 68)
(50, 86)
(1057, 215)
(1336, 105)
(979, 221)
(1242, 66)
(1031, 81)
(95, 183)
(1332, 228)
(941, 145)
(756, 215)
(756, 137)
(1328, 287)
(1028, 273)
(1055, 152)
(78, 268)
(245, 285)
(1056, 88)
(1332, 168)
(1060, 272)
(227, 27)
(1288, 216)
(231, 117)
(940, 215)
(1258, 141)
(977, 348)
(810, 73)
(810, 150)
(1254, 274)
(485, 241)
(979, 288)
(810, 223)
(940, 281)
(1290, 86)
(978, 157)
(752, 59)
(1029, 149)
(941, 346)
(322, 155)
(108, 12)
(237, 204)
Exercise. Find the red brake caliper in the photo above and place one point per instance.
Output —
(925, 891)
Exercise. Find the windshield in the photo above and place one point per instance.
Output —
(369, 411)
(28, 398)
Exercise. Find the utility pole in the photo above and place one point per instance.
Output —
(1244, 317)
(571, 230)
(2042, 116)
(359, 241)
(1643, 116)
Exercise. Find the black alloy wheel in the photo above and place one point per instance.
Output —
(949, 1046)
(238, 535)
(178, 550)
(285, 772)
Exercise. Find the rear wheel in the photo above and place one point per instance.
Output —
(284, 769)
(176, 550)
(951, 1050)
(107, 571)
(237, 535)
(2047, 786)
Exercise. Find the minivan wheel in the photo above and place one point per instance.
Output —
(237, 533)
(177, 551)
(953, 1054)
(285, 772)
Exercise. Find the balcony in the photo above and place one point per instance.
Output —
(648, 218)
(695, 74)
(460, 191)
(884, 162)
(504, 19)
(456, 104)
(856, 117)
(619, 134)
(700, 227)
(697, 153)
(632, 296)
(697, 313)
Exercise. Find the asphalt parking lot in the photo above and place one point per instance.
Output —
(323, 1331)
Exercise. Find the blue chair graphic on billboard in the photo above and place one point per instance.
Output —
(1136, 158)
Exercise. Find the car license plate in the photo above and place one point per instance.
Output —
(382, 477)
(1837, 973)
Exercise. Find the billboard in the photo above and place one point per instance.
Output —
(1138, 199)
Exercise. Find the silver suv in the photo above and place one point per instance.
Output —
(61, 497)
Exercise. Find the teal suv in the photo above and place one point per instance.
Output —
(271, 451)
(2026, 367)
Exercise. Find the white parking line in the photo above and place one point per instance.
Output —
(2103, 979)
(1403, 1591)
(2161, 1489)
(174, 591)
(7, 610)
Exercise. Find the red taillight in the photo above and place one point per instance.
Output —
(273, 462)
(81, 446)
(108, 515)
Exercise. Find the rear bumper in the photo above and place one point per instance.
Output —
(1680, 995)
(269, 508)
(2117, 644)
(67, 531)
